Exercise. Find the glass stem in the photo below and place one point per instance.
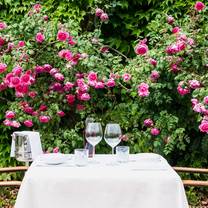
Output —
(112, 150)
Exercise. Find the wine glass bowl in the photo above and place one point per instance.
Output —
(93, 133)
(112, 135)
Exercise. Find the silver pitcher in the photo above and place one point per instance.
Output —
(22, 147)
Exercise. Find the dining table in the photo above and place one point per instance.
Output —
(146, 180)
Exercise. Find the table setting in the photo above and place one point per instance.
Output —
(120, 179)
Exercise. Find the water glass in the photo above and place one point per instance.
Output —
(122, 153)
(81, 157)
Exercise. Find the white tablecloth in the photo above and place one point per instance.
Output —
(144, 182)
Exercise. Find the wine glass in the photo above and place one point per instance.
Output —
(112, 135)
(93, 133)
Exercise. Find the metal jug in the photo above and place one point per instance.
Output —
(22, 147)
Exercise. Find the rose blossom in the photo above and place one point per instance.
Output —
(15, 81)
(203, 127)
(80, 107)
(71, 41)
(194, 84)
(47, 67)
(182, 89)
(124, 138)
(143, 90)
(3, 86)
(53, 71)
(110, 83)
(39, 69)
(141, 49)
(198, 107)
(99, 85)
(43, 108)
(170, 20)
(56, 150)
(37, 7)
(154, 75)
(3, 67)
(68, 86)
(17, 70)
(10, 114)
(174, 68)
(70, 98)
(148, 122)
(199, 6)
(15, 124)
(155, 131)
(39, 37)
(206, 100)
(126, 77)
(7, 122)
(175, 30)
(194, 102)
(62, 35)
(32, 94)
(28, 123)
(3, 25)
(25, 78)
(98, 12)
(85, 97)
(21, 44)
(92, 76)
(59, 77)
(45, 17)
(190, 41)
(61, 113)
(153, 62)
(44, 119)
(104, 17)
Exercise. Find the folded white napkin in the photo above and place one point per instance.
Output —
(34, 140)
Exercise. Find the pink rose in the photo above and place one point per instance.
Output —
(104, 17)
(194, 102)
(104, 50)
(15, 81)
(143, 90)
(7, 122)
(3, 86)
(3, 67)
(43, 108)
(1, 41)
(25, 78)
(59, 77)
(85, 97)
(70, 98)
(39, 37)
(203, 127)
(170, 20)
(56, 150)
(174, 68)
(153, 62)
(155, 131)
(10, 114)
(68, 86)
(99, 85)
(44, 119)
(45, 17)
(199, 6)
(28, 110)
(37, 7)
(176, 30)
(126, 77)
(28, 123)
(47, 67)
(53, 71)
(71, 41)
(17, 70)
(148, 122)
(190, 41)
(141, 49)
(110, 83)
(56, 87)
(124, 138)
(21, 44)
(32, 94)
(22, 88)
(206, 100)
(15, 124)
(61, 113)
(154, 75)
(194, 84)
(98, 12)
(62, 35)
(39, 69)
(10, 46)
(3, 25)
(182, 89)
(92, 76)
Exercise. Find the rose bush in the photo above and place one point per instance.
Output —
(59, 76)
